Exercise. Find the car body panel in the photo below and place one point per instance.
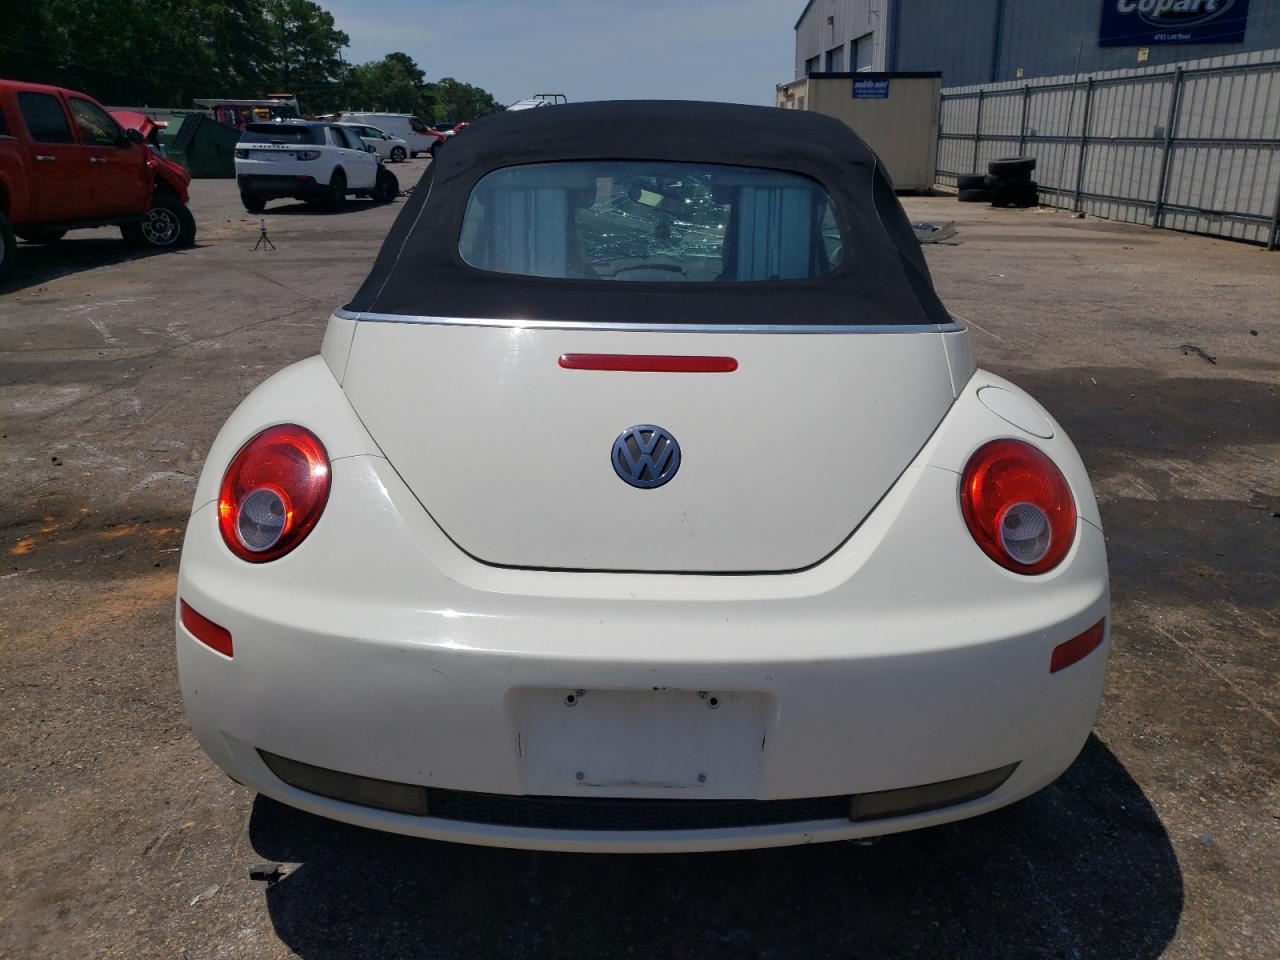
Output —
(877, 680)
(767, 482)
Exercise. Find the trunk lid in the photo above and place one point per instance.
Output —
(512, 454)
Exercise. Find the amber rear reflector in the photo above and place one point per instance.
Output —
(642, 363)
(206, 631)
(1077, 648)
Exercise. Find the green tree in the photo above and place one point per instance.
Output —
(164, 53)
(395, 84)
(306, 53)
(456, 101)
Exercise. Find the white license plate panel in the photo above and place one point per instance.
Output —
(642, 743)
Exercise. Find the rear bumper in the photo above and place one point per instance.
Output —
(378, 649)
(277, 185)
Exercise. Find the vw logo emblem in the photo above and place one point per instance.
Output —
(646, 456)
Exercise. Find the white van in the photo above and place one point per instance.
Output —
(417, 134)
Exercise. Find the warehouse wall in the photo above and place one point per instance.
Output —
(983, 41)
(850, 19)
(1105, 144)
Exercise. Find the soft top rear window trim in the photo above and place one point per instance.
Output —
(952, 327)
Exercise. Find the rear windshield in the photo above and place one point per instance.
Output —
(658, 221)
(282, 133)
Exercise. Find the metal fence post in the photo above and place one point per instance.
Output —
(1273, 235)
(1022, 128)
(977, 131)
(1084, 144)
(1175, 96)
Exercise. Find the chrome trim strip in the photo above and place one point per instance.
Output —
(952, 327)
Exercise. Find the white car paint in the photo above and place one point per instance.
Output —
(381, 648)
(384, 145)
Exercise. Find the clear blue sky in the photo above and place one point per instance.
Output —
(733, 50)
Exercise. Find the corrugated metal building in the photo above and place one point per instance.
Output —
(985, 41)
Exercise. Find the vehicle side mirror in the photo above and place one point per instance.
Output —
(370, 148)
(134, 137)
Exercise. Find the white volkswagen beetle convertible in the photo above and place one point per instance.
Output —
(644, 498)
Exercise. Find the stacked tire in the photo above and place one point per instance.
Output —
(1007, 183)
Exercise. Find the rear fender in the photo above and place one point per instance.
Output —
(304, 393)
(971, 423)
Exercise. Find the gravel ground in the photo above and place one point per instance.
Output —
(1160, 353)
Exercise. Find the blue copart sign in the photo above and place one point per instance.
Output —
(1143, 23)
(871, 89)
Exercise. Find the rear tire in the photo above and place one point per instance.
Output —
(168, 224)
(970, 181)
(337, 196)
(8, 249)
(36, 235)
(252, 202)
(973, 196)
(398, 155)
(387, 188)
(1018, 194)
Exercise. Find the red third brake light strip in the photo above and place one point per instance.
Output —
(643, 363)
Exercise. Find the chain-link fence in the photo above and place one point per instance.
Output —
(1193, 146)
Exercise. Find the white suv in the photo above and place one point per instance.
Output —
(316, 162)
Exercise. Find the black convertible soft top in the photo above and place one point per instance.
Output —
(882, 278)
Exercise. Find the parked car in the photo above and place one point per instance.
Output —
(66, 164)
(419, 136)
(384, 145)
(320, 163)
(539, 100)
(644, 504)
(451, 129)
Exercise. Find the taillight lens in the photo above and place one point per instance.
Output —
(1018, 506)
(242, 154)
(273, 493)
(308, 154)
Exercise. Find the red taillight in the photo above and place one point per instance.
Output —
(205, 630)
(1077, 648)
(642, 363)
(273, 493)
(1018, 506)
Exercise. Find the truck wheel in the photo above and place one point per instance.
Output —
(252, 202)
(387, 188)
(8, 248)
(36, 235)
(398, 155)
(337, 197)
(168, 224)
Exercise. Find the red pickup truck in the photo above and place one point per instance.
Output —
(66, 164)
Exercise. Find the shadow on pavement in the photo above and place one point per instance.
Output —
(39, 263)
(1082, 869)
